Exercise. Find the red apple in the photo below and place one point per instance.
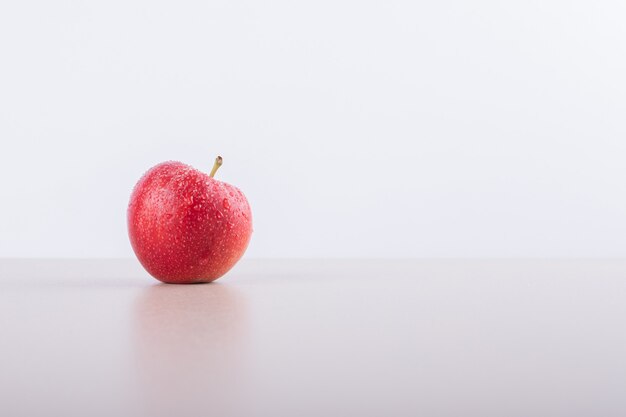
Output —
(185, 226)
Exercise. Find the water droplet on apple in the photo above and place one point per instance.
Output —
(226, 204)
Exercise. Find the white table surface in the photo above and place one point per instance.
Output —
(315, 338)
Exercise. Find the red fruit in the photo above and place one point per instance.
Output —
(185, 226)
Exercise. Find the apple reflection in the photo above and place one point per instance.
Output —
(190, 343)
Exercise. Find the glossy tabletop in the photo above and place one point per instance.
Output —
(315, 338)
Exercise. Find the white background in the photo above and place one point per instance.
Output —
(373, 129)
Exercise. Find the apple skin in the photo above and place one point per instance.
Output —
(186, 227)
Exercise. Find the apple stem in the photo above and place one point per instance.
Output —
(216, 165)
